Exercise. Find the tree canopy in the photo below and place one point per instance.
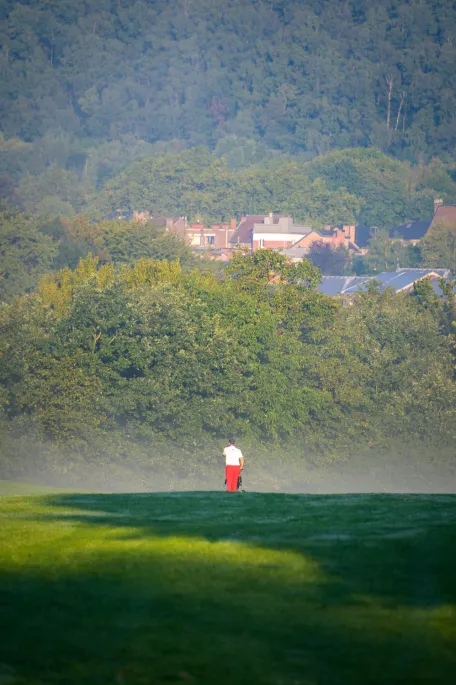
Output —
(140, 364)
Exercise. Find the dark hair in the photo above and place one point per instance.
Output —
(231, 441)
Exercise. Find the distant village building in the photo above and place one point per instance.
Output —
(413, 231)
(272, 231)
(340, 236)
(216, 236)
(278, 232)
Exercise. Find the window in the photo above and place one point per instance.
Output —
(210, 239)
(261, 242)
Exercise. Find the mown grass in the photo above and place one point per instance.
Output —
(217, 588)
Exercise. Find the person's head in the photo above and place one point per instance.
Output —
(231, 441)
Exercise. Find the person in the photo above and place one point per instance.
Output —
(234, 463)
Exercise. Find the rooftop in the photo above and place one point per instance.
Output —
(400, 280)
(337, 285)
(413, 230)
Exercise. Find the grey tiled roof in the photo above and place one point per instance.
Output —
(338, 285)
(413, 230)
(402, 279)
(398, 280)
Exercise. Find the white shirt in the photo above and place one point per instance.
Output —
(232, 455)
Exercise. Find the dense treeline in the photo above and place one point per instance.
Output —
(148, 367)
(32, 245)
(236, 74)
(362, 186)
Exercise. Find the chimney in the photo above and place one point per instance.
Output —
(437, 203)
(232, 224)
(349, 233)
(285, 224)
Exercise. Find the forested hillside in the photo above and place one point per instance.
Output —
(210, 109)
(236, 75)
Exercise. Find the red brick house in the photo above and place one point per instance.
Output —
(216, 236)
(341, 236)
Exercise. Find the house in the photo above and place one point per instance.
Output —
(279, 234)
(340, 236)
(295, 254)
(216, 236)
(444, 215)
(273, 231)
(410, 233)
(401, 280)
(176, 225)
(413, 231)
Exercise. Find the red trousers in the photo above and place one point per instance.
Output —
(232, 475)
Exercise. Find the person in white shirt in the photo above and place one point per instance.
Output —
(234, 460)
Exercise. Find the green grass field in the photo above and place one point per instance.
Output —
(215, 588)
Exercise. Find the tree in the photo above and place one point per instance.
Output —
(25, 254)
(438, 247)
(53, 191)
(331, 261)
(266, 266)
(128, 241)
(384, 253)
(138, 365)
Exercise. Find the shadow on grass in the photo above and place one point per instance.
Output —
(217, 588)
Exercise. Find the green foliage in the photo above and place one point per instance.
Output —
(243, 72)
(97, 104)
(134, 344)
(331, 261)
(442, 308)
(25, 254)
(127, 361)
(201, 186)
(384, 253)
(438, 247)
(265, 266)
(349, 186)
(55, 192)
(402, 367)
(127, 241)
(389, 191)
